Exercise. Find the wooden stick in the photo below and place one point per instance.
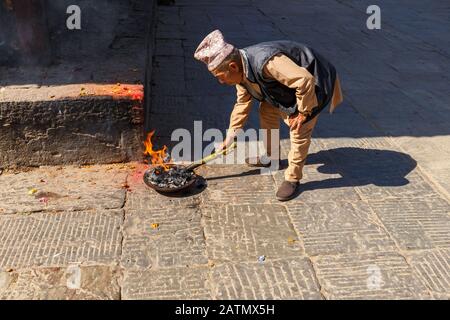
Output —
(211, 157)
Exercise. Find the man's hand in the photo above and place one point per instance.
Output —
(225, 144)
(295, 121)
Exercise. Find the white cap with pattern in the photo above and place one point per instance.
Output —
(213, 50)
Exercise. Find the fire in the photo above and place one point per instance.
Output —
(157, 157)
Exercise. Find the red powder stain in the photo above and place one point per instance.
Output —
(137, 174)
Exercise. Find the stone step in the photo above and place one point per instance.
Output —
(70, 124)
(86, 105)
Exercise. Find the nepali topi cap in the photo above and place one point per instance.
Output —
(213, 50)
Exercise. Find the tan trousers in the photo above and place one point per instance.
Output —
(269, 117)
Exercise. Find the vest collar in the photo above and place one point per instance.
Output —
(248, 72)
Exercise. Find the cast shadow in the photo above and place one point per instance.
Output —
(201, 184)
(355, 166)
(251, 172)
(360, 167)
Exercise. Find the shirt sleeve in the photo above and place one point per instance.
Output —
(287, 72)
(241, 110)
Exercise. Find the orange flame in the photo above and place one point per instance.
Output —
(157, 156)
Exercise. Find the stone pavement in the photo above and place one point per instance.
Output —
(372, 220)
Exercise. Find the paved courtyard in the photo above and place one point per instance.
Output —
(372, 220)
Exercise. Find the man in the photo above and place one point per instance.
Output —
(290, 80)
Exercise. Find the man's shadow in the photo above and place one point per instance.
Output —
(359, 167)
(355, 166)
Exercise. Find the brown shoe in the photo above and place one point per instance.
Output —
(286, 191)
(260, 162)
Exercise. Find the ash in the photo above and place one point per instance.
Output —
(175, 177)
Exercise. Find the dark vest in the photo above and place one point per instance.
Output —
(255, 58)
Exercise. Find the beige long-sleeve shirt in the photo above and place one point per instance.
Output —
(287, 72)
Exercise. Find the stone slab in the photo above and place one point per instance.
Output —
(72, 283)
(284, 279)
(385, 276)
(237, 184)
(415, 223)
(167, 284)
(339, 227)
(64, 188)
(433, 269)
(74, 130)
(46, 239)
(245, 232)
(163, 238)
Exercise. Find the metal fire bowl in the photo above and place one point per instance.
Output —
(168, 190)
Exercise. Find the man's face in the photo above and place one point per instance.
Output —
(232, 76)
